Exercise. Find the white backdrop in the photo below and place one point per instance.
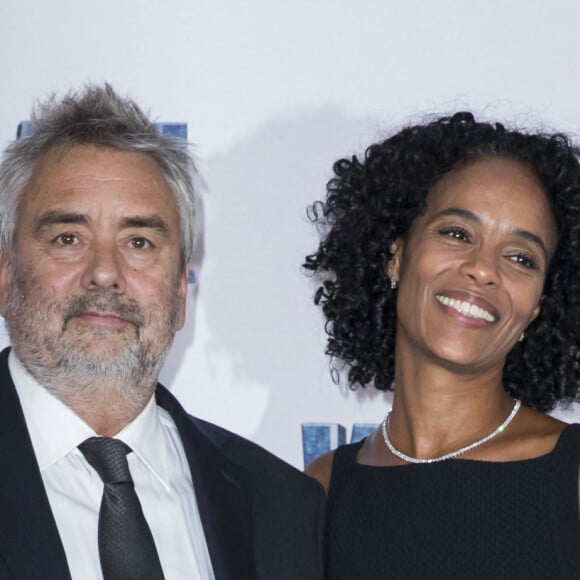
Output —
(273, 92)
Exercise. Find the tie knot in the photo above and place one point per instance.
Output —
(108, 457)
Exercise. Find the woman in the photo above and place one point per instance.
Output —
(451, 260)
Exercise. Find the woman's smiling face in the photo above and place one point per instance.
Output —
(471, 269)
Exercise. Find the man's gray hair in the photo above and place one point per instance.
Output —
(95, 115)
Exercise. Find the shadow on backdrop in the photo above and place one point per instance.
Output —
(258, 301)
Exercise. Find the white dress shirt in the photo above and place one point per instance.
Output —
(158, 466)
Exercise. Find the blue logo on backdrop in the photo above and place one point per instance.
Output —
(176, 130)
(318, 438)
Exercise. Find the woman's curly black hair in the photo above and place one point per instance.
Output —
(372, 202)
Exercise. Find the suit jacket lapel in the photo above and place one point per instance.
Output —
(29, 540)
(223, 491)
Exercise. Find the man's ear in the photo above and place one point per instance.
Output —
(394, 265)
(5, 280)
(182, 293)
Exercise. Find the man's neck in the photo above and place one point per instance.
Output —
(103, 408)
(106, 403)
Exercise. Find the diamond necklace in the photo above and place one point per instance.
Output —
(453, 454)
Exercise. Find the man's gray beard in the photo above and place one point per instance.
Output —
(61, 364)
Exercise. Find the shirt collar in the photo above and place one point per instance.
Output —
(43, 411)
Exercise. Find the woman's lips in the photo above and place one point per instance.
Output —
(469, 306)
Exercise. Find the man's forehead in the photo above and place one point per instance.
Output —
(94, 159)
(114, 175)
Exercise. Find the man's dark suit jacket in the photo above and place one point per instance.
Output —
(262, 518)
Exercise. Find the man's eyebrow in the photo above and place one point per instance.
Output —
(469, 215)
(152, 222)
(52, 218)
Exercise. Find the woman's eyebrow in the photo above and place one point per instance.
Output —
(459, 212)
(531, 237)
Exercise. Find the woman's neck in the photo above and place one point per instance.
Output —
(437, 410)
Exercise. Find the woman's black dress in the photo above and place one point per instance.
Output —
(456, 519)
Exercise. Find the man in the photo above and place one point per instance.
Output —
(96, 228)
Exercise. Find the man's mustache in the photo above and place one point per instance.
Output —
(104, 301)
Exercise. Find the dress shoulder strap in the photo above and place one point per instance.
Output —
(569, 442)
(563, 499)
(343, 461)
(345, 455)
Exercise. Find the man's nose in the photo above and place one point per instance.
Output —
(105, 268)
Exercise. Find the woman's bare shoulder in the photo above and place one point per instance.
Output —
(321, 469)
(539, 431)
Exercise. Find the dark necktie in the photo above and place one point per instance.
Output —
(126, 547)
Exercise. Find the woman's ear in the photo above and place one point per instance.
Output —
(535, 313)
(394, 265)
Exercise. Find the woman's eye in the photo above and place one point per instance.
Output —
(524, 260)
(455, 233)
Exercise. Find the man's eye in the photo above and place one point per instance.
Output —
(140, 243)
(455, 233)
(66, 239)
